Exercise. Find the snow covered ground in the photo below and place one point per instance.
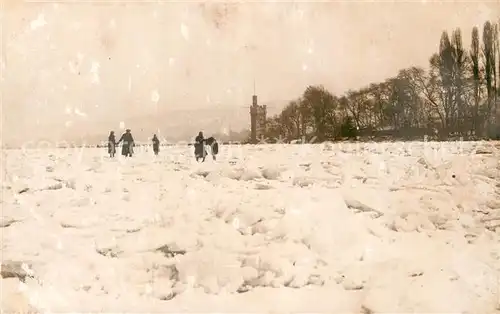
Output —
(339, 228)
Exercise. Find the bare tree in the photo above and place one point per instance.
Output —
(356, 105)
(458, 94)
(489, 69)
(321, 104)
(380, 94)
(476, 78)
(498, 54)
(288, 120)
(292, 115)
(496, 57)
(274, 128)
(461, 62)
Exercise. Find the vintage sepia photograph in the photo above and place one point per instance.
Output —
(189, 156)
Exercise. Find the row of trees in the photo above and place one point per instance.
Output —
(458, 95)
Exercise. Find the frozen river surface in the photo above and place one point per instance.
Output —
(338, 228)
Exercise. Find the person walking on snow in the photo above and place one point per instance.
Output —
(128, 143)
(111, 144)
(199, 147)
(156, 144)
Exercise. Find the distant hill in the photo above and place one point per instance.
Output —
(177, 126)
(183, 125)
(226, 123)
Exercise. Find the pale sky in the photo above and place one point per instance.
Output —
(97, 63)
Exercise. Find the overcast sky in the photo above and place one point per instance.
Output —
(99, 62)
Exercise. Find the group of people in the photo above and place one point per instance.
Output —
(199, 147)
(128, 145)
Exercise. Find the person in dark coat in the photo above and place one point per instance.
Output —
(199, 147)
(200, 139)
(156, 144)
(128, 143)
(111, 144)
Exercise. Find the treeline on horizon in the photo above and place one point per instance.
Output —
(457, 96)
